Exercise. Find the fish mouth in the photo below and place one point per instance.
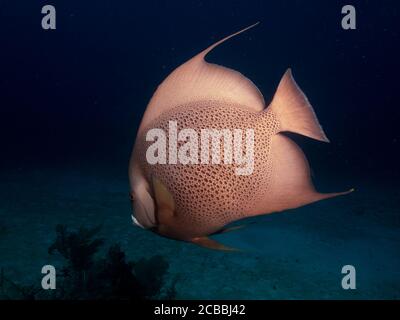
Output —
(141, 217)
(136, 222)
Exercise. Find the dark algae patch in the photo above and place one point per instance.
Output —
(88, 275)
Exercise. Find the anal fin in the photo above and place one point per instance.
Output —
(229, 229)
(291, 185)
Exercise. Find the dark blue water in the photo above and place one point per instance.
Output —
(71, 101)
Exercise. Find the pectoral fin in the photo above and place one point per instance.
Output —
(211, 244)
(164, 201)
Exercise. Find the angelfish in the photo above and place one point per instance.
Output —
(190, 201)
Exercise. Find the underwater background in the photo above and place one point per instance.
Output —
(71, 100)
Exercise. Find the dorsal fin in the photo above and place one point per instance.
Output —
(199, 80)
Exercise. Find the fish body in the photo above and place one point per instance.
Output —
(209, 196)
(190, 201)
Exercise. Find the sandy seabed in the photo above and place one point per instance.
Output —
(297, 254)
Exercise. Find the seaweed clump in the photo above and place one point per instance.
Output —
(87, 276)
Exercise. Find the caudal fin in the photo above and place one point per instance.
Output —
(294, 111)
